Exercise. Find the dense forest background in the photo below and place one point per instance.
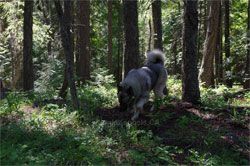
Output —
(103, 37)
(61, 61)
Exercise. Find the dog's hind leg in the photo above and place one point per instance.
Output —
(139, 107)
(158, 91)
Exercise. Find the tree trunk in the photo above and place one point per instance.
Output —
(150, 35)
(174, 48)
(207, 66)
(28, 74)
(247, 73)
(157, 24)
(190, 83)
(2, 21)
(199, 28)
(110, 35)
(218, 52)
(131, 35)
(206, 16)
(83, 41)
(68, 8)
(63, 91)
(228, 80)
(119, 39)
(66, 42)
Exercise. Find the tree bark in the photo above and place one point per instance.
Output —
(218, 52)
(110, 35)
(119, 39)
(63, 91)
(207, 66)
(68, 8)
(157, 24)
(131, 36)
(190, 83)
(175, 53)
(66, 42)
(83, 41)
(28, 73)
(150, 35)
(228, 80)
(2, 21)
(247, 72)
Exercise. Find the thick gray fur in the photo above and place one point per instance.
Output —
(152, 76)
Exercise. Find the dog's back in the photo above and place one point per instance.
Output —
(155, 66)
(136, 87)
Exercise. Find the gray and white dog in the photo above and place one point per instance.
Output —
(134, 90)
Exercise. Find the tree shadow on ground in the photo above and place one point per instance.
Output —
(21, 145)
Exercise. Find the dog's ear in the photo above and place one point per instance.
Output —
(130, 91)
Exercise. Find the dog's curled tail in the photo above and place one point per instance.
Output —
(156, 56)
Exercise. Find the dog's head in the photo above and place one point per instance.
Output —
(125, 96)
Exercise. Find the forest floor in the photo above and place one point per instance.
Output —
(42, 131)
(186, 126)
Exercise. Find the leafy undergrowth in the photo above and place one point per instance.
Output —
(36, 130)
(183, 134)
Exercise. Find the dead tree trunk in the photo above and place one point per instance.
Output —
(66, 42)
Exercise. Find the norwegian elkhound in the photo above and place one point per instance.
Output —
(134, 90)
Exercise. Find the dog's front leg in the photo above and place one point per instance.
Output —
(131, 107)
(139, 107)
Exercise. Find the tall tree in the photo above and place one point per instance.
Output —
(83, 40)
(207, 66)
(131, 36)
(66, 42)
(150, 35)
(190, 84)
(219, 51)
(28, 73)
(68, 8)
(110, 34)
(228, 80)
(157, 24)
(119, 40)
(2, 21)
(247, 72)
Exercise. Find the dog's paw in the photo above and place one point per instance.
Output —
(135, 116)
(152, 108)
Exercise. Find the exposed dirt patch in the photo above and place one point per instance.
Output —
(17, 116)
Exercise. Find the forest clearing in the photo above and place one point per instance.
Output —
(76, 78)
